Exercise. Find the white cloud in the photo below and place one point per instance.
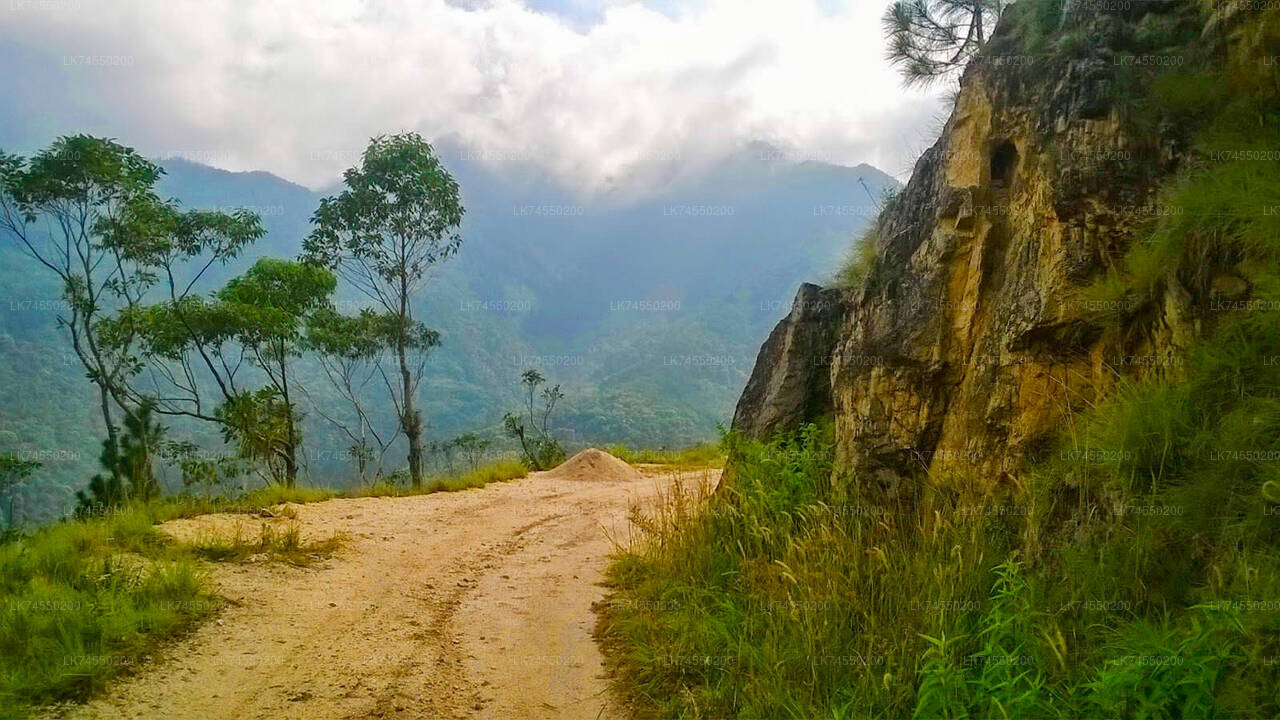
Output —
(298, 86)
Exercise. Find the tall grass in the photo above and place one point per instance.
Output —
(82, 601)
(1134, 570)
(766, 601)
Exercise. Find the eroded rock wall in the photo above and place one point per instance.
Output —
(970, 344)
(791, 381)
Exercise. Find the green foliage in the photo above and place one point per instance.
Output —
(13, 472)
(397, 218)
(499, 471)
(363, 335)
(396, 485)
(705, 455)
(473, 447)
(263, 428)
(541, 451)
(83, 601)
(855, 270)
(1162, 669)
(929, 39)
(1040, 21)
(273, 299)
(129, 459)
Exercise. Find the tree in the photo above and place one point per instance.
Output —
(473, 447)
(541, 451)
(350, 351)
(258, 319)
(397, 218)
(929, 39)
(129, 459)
(14, 471)
(86, 210)
(80, 187)
(183, 339)
(271, 303)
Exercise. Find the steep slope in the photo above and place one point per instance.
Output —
(1037, 476)
(972, 338)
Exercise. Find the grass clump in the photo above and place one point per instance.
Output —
(500, 471)
(857, 265)
(255, 501)
(279, 544)
(705, 455)
(85, 600)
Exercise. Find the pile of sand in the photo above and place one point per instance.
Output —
(594, 464)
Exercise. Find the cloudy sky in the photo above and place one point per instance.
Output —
(603, 94)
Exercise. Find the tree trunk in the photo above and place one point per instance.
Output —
(411, 422)
(105, 398)
(291, 451)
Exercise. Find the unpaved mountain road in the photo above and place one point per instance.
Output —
(475, 604)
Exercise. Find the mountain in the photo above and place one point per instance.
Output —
(647, 310)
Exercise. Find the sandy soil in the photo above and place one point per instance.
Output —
(474, 604)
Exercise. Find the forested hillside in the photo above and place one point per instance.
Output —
(648, 310)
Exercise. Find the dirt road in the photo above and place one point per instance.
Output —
(474, 604)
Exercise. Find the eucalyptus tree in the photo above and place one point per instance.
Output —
(397, 218)
(85, 209)
(351, 351)
(929, 39)
(185, 338)
(256, 321)
(59, 207)
(271, 303)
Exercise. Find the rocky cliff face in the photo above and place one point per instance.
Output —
(970, 341)
(791, 381)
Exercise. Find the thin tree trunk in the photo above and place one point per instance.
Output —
(105, 398)
(411, 421)
(291, 451)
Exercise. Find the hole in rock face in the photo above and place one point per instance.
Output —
(1004, 160)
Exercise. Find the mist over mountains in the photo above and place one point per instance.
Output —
(649, 310)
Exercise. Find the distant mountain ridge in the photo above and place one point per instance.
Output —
(648, 310)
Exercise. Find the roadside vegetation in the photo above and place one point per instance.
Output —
(694, 457)
(1134, 570)
(89, 598)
